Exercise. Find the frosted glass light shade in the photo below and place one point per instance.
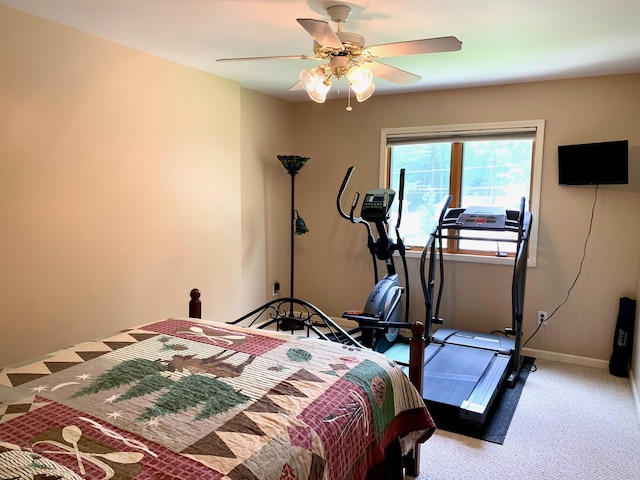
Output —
(361, 82)
(316, 83)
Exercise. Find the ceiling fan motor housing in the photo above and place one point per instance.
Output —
(352, 40)
(339, 13)
(339, 64)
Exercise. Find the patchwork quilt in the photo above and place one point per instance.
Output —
(191, 399)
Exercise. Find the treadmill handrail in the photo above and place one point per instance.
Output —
(427, 286)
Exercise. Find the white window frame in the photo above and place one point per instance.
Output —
(439, 131)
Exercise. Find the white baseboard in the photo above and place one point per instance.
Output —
(566, 358)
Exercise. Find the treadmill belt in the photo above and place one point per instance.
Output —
(452, 373)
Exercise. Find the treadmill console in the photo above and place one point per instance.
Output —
(483, 218)
(376, 204)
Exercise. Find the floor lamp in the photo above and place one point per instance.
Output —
(293, 164)
(281, 311)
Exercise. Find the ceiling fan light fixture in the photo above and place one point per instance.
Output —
(365, 94)
(310, 78)
(359, 75)
(361, 82)
(316, 83)
(319, 95)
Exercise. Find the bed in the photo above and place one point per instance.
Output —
(185, 398)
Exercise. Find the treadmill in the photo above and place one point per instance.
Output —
(465, 371)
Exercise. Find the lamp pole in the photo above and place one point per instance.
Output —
(291, 228)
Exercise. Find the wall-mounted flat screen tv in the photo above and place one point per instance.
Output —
(594, 163)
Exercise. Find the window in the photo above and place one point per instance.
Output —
(489, 165)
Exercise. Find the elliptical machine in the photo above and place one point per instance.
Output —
(382, 317)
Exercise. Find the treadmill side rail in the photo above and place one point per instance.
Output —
(476, 408)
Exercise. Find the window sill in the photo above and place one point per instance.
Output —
(468, 258)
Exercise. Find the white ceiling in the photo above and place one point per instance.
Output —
(504, 41)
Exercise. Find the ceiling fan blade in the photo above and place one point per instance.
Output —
(321, 32)
(296, 86)
(277, 57)
(413, 47)
(393, 74)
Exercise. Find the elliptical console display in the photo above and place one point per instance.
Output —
(375, 207)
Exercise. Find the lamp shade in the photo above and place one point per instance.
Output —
(293, 163)
(301, 226)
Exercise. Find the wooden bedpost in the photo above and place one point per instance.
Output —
(417, 344)
(195, 307)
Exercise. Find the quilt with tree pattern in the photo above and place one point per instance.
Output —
(191, 399)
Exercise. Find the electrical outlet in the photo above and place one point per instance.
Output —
(542, 317)
(276, 289)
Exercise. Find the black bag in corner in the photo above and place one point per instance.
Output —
(620, 362)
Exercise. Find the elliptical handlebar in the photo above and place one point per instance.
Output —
(345, 181)
(384, 246)
(371, 244)
(354, 203)
(356, 197)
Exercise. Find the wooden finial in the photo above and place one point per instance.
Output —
(195, 307)
(418, 330)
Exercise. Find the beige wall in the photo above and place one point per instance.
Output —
(267, 126)
(335, 270)
(121, 187)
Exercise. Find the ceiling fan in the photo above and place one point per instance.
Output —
(348, 56)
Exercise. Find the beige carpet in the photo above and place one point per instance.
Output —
(572, 422)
